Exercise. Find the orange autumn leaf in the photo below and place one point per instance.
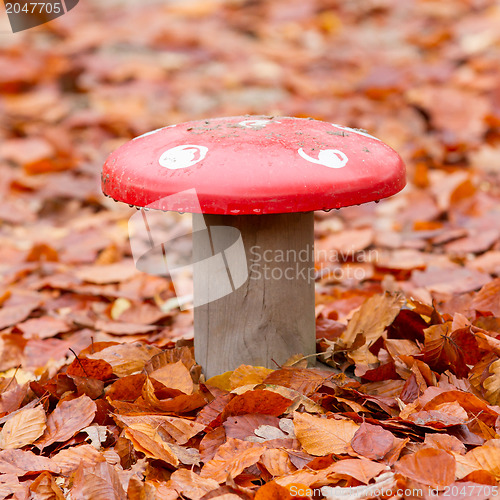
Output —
(183, 403)
(192, 485)
(22, 428)
(247, 375)
(174, 376)
(258, 401)
(231, 459)
(359, 468)
(430, 466)
(152, 447)
(67, 419)
(321, 436)
(126, 359)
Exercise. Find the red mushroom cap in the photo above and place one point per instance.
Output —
(253, 165)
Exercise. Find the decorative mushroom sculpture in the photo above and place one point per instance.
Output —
(257, 181)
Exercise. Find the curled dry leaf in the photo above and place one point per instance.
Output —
(184, 403)
(321, 436)
(67, 419)
(192, 485)
(180, 429)
(45, 487)
(126, 359)
(152, 447)
(22, 428)
(487, 298)
(259, 401)
(492, 384)
(174, 376)
(100, 482)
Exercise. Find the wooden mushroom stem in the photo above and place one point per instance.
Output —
(270, 317)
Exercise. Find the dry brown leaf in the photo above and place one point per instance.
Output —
(487, 298)
(246, 375)
(192, 485)
(174, 376)
(126, 359)
(21, 462)
(372, 441)
(100, 482)
(43, 327)
(359, 468)
(372, 318)
(429, 466)
(221, 381)
(44, 487)
(492, 384)
(67, 419)
(299, 379)
(259, 401)
(152, 448)
(486, 457)
(277, 462)
(321, 436)
(180, 429)
(231, 459)
(22, 428)
(69, 459)
(183, 403)
(110, 273)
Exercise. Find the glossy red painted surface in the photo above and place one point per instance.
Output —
(252, 165)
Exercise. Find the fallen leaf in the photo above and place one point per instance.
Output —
(67, 419)
(321, 436)
(22, 428)
(152, 448)
(126, 359)
(231, 459)
(429, 466)
(174, 376)
(258, 401)
(372, 441)
(192, 485)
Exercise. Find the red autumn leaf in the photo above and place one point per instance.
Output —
(259, 401)
(372, 441)
(91, 368)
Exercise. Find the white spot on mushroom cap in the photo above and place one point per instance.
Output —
(256, 124)
(183, 156)
(331, 158)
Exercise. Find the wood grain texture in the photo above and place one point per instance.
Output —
(271, 315)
